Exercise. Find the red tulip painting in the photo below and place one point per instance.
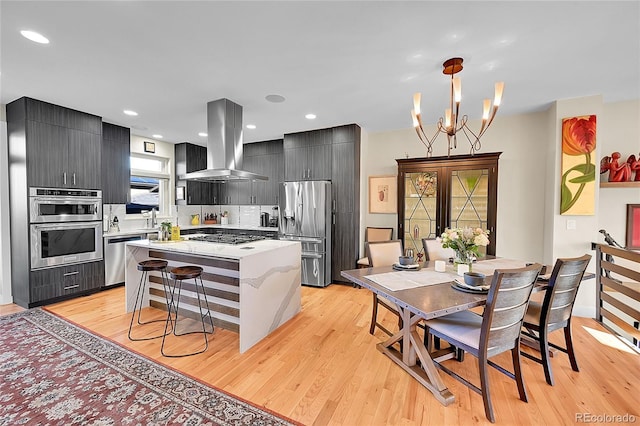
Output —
(577, 193)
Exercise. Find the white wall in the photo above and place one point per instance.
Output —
(5, 247)
(529, 225)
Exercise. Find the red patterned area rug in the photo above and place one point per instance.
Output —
(55, 373)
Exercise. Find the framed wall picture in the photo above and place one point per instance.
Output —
(383, 194)
(150, 147)
(179, 192)
(633, 227)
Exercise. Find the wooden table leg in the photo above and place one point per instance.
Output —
(426, 373)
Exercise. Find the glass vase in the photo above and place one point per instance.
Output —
(463, 258)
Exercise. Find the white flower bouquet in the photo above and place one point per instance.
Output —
(465, 242)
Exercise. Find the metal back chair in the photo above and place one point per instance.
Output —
(555, 311)
(495, 332)
(383, 253)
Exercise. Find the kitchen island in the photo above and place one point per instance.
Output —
(252, 288)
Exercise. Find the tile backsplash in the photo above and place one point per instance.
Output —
(238, 215)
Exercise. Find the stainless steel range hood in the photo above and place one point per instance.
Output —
(224, 145)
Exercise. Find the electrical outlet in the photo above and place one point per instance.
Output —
(571, 224)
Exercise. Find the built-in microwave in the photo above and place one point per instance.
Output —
(64, 205)
(55, 244)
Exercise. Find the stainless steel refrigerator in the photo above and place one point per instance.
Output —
(305, 216)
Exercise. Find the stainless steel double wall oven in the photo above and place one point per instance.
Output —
(65, 226)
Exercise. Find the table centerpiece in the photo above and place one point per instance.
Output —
(465, 242)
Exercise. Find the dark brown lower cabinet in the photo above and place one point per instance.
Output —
(56, 283)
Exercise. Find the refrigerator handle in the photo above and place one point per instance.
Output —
(333, 218)
(333, 205)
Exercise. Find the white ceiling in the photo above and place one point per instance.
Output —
(348, 62)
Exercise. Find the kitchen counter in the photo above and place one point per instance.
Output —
(252, 288)
(143, 231)
(224, 251)
(125, 233)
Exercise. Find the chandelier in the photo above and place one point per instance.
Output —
(452, 123)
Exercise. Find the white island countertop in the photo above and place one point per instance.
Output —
(204, 248)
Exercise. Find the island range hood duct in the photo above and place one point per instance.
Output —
(224, 145)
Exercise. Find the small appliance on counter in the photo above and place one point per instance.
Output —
(273, 221)
(264, 219)
(114, 226)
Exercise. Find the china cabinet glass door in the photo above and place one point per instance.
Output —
(447, 192)
(469, 197)
(421, 212)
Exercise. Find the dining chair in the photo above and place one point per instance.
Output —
(496, 331)
(383, 253)
(433, 250)
(554, 312)
(373, 234)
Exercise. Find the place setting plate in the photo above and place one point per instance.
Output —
(461, 285)
(399, 267)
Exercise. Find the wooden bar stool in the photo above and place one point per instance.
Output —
(146, 266)
(178, 275)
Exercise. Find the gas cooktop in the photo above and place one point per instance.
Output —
(227, 238)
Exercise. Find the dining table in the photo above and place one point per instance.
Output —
(422, 294)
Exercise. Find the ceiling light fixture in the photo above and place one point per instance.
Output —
(251, 126)
(34, 36)
(203, 134)
(129, 112)
(452, 123)
(310, 116)
(276, 99)
(157, 136)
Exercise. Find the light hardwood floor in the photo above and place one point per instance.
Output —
(323, 368)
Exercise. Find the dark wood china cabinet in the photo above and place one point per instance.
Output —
(446, 192)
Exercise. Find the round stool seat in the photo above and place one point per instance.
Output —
(185, 272)
(152, 265)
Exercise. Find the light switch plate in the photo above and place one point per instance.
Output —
(571, 224)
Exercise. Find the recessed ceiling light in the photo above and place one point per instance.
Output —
(251, 126)
(203, 134)
(275, 98)
(34, 36)
(129, 112)
(310, 116)
(157, 136)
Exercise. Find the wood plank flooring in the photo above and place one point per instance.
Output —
(323, 368)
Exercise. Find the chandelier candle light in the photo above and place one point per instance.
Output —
(452, 123)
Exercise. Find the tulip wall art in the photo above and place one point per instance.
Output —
(577, 191)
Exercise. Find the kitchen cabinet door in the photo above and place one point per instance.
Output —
(46, 152)
(62, 157)
(229, 193)
(345, 191)
(84, 164)
(192, 158)
(319, 162)
(267, 193)
(307, 155)
(343, 182)
(116, 167)
(52, 283)
(295, 164)
(266, 159)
